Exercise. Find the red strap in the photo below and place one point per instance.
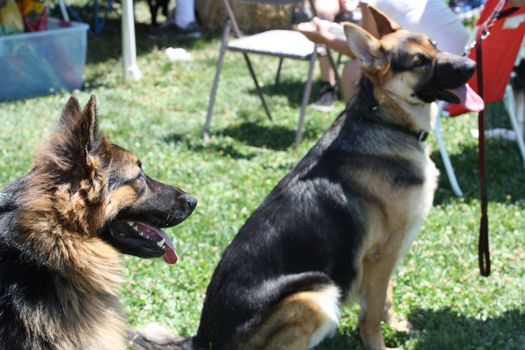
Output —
(483, 244)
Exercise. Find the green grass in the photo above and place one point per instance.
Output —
(439, 288)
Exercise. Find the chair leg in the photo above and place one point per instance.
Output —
(257, 86)
(444, 155)
(213, 94)
(511, 110)
(306, 98)
(278, 74)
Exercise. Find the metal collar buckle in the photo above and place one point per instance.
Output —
(422, 136)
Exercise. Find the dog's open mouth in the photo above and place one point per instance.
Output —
(144, 240)
(467, 97)
(159, 237)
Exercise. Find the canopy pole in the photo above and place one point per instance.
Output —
(129, 50)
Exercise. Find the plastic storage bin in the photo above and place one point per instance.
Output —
(39, 63)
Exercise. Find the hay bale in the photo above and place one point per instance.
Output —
(251, 17)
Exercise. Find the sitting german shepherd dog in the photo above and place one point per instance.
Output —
(61, 227)
(337, 225)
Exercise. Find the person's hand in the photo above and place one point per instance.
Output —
(316, 30)
(516, 3)
(348, 5)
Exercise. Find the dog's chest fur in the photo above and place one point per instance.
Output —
(394, 216)
(392, 174)
(420, 202)
(74, 307)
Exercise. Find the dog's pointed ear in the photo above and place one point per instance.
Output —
(76, 147)
(365, 47)
(89, 124)
(80, 129)
(385, 25)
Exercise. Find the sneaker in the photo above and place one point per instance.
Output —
(191, 31)
(328, 97)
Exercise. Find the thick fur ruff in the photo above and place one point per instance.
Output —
(60, 267)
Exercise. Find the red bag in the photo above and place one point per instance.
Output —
(34, 15)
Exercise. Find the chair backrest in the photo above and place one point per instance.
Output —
(500, 51)
(231, 14)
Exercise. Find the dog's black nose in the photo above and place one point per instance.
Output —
(469, 68)
(190, 201)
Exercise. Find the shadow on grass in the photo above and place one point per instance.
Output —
(351, 339)
(254, 138)
(291, 89)
(445, 329)
(504, 173)
(196, 144)
(273, 137)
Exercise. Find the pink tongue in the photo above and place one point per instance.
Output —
(468, 98)
(156, 235)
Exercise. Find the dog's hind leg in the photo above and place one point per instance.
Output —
(299, 322)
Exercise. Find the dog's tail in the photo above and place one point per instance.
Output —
(156, 337)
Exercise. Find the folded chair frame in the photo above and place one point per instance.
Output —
(231, 24)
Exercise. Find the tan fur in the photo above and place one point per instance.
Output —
(120, 198)
(393, 214)
(292, 323)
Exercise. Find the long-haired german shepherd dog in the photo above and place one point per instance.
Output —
(62, 227)
(337, 225)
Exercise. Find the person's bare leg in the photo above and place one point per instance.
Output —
(326, 9)
(351, 76)
(327, 72)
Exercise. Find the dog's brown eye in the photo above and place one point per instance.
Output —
(139, 177)
(420, 60)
